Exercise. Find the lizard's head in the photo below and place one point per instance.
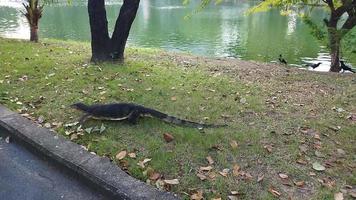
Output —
(79, 106)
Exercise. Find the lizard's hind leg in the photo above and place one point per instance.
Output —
(83, 118)
(133, 118)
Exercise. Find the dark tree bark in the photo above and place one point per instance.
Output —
(33, 14)
(122, 28)
(100, 39)
(33, 33)
(335, 34)
(104, 48)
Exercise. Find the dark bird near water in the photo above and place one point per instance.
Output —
(315, 65)
(345, 67)
(282, 60)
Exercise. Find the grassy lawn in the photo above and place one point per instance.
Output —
(280, 120)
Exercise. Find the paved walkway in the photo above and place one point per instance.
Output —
(25, 176)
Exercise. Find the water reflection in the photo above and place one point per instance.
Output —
(221, 30)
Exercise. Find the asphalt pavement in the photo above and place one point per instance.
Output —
(25, 175)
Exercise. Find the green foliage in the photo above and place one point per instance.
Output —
(319, 32)
(203, 4)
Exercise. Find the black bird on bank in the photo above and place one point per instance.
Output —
(282, 60)
(315, 65)
(345, 67)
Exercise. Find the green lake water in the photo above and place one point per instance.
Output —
(219, 31)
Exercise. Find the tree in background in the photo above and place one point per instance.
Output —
(342, 18)
(33, 13)
(103, 47)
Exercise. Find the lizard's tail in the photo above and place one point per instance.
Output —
(177, 121)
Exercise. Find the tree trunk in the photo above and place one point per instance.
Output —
(335, 42)
(34, 33)
(122, 28)
(104, 48)
(99, 30)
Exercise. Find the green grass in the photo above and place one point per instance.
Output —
(59, 74)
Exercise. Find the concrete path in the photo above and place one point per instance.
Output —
(25, 176)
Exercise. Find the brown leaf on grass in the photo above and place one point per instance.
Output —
(317, 136)
(299, 183)
(154, 176)
(327, 182)
(168, 137)
(201, 176)
(171, 182)
(268, 147)
(274, 192)
(132, 155)
(212, 175)
(207, 168)
(283, 176)
(224, 172)
(338, 196)
(210, 160)
(302, 162)
(353, 194)
(197, 195)
(121, 155)
(232, 197)
(352, 117)
(260, 177)
(233, 144)
(236, 170)
(248, 176)
(74, 136)
(143, 162)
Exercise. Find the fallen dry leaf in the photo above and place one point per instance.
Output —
(338, 196)
(201, 176)
(74, 136)
(143, 162)
(236, 170)
(274, 192)
(207, 168)
(197, 196)
(212, 175)
(234, 192)
(299, 183)
(154, 176)
(268, 148)
(171, 182)
(132, 155)
(260, 178)
(168, 137)
(121, 155)
(318, 167)
(224, 172)
(233, 144)
(232, 197)
(352, 117)
(248, 176)
(210, 160)
(283, 176)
